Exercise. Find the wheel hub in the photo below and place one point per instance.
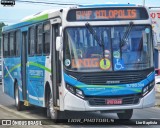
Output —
(51, 108)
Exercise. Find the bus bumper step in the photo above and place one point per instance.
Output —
(26, 103)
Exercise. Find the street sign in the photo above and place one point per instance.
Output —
(155, 16)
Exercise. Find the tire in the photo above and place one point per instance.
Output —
(126, 115)
(51, 112)
(19, 104)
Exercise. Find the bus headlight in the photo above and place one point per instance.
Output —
(148, 88)
(151, 85)
(145, 90)
(75, 91)
(79, 93)
(70, 88)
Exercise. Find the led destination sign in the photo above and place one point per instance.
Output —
(107, 14)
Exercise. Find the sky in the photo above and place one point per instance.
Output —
(10, 15)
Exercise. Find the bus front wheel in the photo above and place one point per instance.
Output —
(18, 103)
(51, 111)
(126, 115)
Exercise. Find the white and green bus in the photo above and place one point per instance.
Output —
(82, 58)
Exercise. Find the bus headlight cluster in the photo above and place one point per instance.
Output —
(148, 88)
(75, 91)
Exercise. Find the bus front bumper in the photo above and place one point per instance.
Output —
(74, 103)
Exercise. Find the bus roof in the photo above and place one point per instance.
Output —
(105, 5)
(44, 15)
(38, 14)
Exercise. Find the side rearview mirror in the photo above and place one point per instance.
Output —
(58, 43)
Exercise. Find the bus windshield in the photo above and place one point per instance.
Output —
(132, 52)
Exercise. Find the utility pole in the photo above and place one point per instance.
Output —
(144, 2)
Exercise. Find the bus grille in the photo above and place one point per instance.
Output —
(111, 78)
(125, 100)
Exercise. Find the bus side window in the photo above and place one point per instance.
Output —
(5, 45)
(39, 39)
(17, 43)
(11, 44)
(31, 47)
(46, 48)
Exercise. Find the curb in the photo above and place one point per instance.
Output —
(16, 112)
(157, 105)
(157, 94)
(157, 87)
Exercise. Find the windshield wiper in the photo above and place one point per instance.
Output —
(125, 36)
(99, 41)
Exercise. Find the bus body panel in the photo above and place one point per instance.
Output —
(110, 90)
(12, 71)
(35, 73)
(82, 105)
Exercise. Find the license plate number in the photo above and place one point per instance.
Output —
(113, 101)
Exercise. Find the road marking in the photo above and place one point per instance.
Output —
(156, 107)
(128, 126)
(16, 112)
(59, 126)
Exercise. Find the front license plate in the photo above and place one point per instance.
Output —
(113, 101)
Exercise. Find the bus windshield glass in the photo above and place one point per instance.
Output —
(83, 53)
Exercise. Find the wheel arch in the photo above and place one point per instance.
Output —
(47, 91)
(15, 81)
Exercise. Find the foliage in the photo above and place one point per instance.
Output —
(1, 25)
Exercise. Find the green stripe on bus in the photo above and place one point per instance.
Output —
(97, 86)
(35, 76)
(39, 18)
(40, 66)
(101, 86)
(13, 68)
(136, 90)
(30, 63)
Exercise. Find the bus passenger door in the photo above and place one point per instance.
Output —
(23, 65)
(55, 65)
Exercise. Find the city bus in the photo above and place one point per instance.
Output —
(81, 58)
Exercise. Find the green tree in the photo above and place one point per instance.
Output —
(1, 25)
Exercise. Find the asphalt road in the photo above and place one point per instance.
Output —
(8, 111)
